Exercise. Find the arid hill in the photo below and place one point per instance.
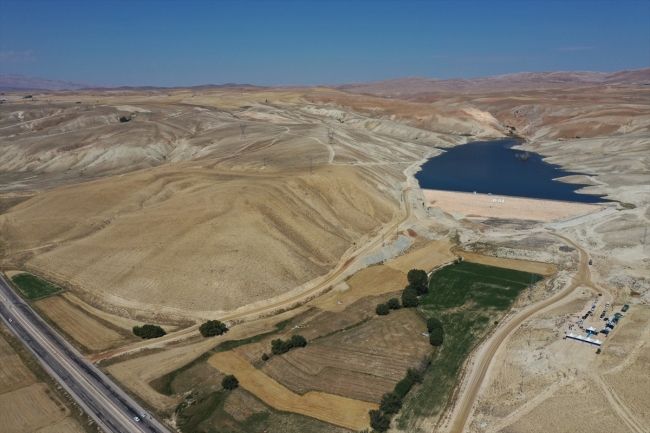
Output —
(187, 203)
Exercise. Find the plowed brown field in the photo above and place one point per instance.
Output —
(518, 265)
(346, 412)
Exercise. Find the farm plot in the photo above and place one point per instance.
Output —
(34, 287)
(345, 412)
(362, 362)
(500, 262)
(427, 258)
(372, 281)
(13, 374)
(79, 325)
(28, 409)
(467, 298)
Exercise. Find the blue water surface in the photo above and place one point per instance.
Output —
(490, 167)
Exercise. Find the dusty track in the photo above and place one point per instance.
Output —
(336, 273)
(463, 407)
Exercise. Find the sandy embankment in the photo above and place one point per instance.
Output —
(499, 206)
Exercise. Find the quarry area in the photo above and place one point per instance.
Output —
(295, 211)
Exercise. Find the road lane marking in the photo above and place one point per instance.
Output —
(81, 379)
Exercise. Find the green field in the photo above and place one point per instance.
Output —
(468, 298)
(33, 287)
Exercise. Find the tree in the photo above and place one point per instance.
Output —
(409, 298)
(212, 328)
(230, 382)
(390, 403)
(436, 337)
(298, 341)
(149, 331)
(433, 323)
(394, 304)
(378, 421)
(382, 309)
(265, 357)
(417, 277)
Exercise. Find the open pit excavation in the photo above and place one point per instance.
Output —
(293, 217)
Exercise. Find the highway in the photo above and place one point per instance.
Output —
(107, 404)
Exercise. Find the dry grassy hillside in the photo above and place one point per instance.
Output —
(202, 202)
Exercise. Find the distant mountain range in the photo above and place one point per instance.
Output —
(401, 87)
(394, 87)
(15, 83)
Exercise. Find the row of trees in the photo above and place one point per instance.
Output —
(149, 331)
(391, 402)
(392, 304)
(279, 346)
(418, 286)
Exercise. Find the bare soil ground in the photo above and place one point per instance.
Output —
(29, 409)
(80, 325)
(13, 373)
(427, 258)
(334, 409)
(567, 386)
(519, 265)
(513, 207)
(123, 322)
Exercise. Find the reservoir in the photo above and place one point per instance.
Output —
(493, 167)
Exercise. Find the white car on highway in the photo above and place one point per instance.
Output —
(136, 419)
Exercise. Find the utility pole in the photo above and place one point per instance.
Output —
(530, 332)
(533, 280)
(330, 136)
(645, 236)
(382, 240)
(264, 162)
(311, 171)
(243, 130)
(523, 374)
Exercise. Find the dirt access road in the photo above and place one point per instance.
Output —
(336, 273)
(476, 377)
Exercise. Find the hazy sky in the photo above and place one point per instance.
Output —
(170, 43)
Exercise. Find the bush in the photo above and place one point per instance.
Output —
(414, 375)
(403, 387)
(278, 347)
(265, 357)
(149, 331)
(212, 328)
(433, 323)
(390, 404)
(378, 421)
(382, 309)
(409, 298)
(436, 337)
(229, 382)
(393, 304)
